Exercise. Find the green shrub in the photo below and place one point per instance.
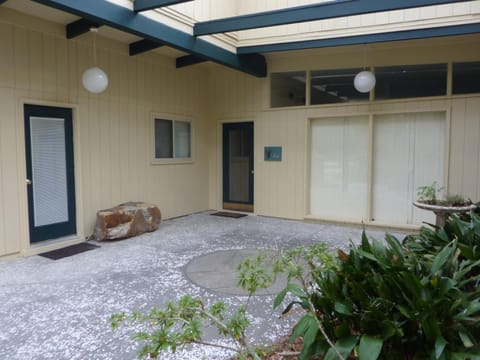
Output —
(387, 302)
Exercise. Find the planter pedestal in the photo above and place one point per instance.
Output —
(443, 212)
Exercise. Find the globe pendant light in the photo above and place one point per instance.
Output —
(364, 81)
(95, 79)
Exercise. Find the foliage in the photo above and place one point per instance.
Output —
(182, 322)
(387, 302)
(428, 193)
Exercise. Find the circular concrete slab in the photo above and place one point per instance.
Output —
(218, 271)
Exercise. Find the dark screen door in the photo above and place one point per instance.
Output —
(238, 166)
(50, 172)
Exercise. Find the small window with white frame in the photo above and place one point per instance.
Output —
(172, 139)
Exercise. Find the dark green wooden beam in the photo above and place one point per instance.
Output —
(333, 9)
(188, 60)
(80, 27)
(124, 19)
(142, 46)
(443, 31)
(142, 5)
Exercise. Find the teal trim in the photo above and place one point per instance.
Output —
(69, 227)
(124, 19)
(80, 27)
(365, 39)
(142, 46)
(142, 5)
(329, 10)
(227, 129)
(188, 60)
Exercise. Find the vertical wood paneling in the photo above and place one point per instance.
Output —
(10, 183)
(7, 76)
(471, 149)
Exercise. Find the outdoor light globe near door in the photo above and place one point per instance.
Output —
(95, 80)
(364, 81)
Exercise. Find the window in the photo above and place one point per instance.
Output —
(334, 86)
(466, 78)
(288, 89)
(358, 172)
(173, 139)
(398, 82)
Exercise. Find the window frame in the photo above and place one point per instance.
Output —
(171, 160)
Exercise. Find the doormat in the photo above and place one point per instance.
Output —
(228, 214)
(68, 251)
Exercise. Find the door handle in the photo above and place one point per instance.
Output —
(252, 172)
(28, 181)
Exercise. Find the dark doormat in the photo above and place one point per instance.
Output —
(228, 214)
(68, 251)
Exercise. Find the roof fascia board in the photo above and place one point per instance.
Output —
(124, 19)
(142, 46)
(142, 5)
(80, 27)
(298, 14)
(464, 29)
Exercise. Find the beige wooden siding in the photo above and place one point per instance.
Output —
(113, 134)
(440, 15)
(465, 148)
(281, 188)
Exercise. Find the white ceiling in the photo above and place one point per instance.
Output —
(60, 17)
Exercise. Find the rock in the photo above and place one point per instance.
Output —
(127, 220)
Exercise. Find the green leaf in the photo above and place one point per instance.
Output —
(344, 346)
(439, 346)
(311, 333)
(370, 348)
(465, 356)
(279, 298)
(302, 326)
(441, 258)
(297, 291)
(342, 308)
(467, 342)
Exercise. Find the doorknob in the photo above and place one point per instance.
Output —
(253, 172)
(28, 181)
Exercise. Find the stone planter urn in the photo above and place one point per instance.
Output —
(442, 212)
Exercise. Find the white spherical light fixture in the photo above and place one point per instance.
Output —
(95, 80)
(364, 81)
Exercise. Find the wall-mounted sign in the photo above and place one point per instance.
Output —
(272, 153)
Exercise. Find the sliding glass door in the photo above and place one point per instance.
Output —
(369, 170)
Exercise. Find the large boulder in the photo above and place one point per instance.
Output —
(127, 220)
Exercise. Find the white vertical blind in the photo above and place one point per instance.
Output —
(182, 139)
(339, 167)
(49, 170)
(408, 153)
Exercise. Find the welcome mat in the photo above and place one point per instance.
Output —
(68, 251)
(228, 214)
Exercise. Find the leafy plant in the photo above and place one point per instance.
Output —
(387, 302)
(428, 193)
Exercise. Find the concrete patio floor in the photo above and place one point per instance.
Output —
(61, 309)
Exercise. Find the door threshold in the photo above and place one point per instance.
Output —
(238, 207)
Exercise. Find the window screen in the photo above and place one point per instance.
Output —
(172, 139)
